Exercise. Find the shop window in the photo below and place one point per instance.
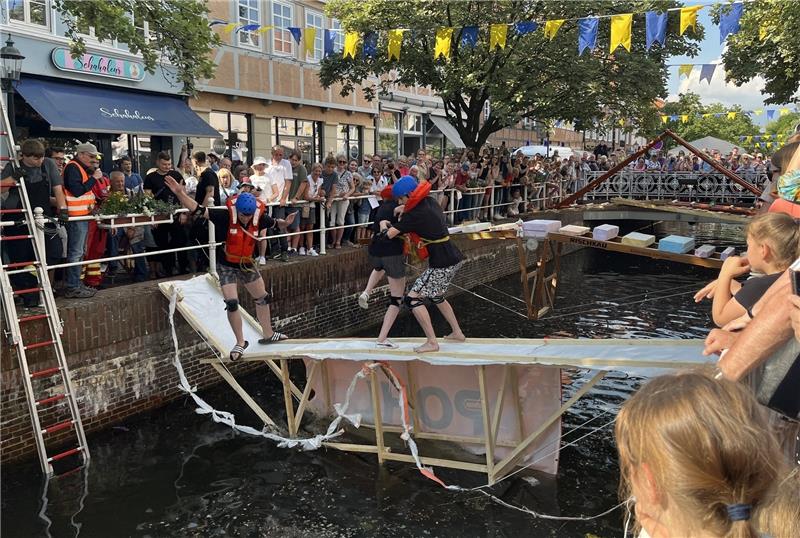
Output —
(302, 135)
(249, 13)
(413, 123)
(387, 145)
(281, 20)
(234, 130)
(33, 12)
(348, 141)
(388, 120)
(314, 20)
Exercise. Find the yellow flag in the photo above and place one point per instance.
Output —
(748, 139)
(684, 118)
(394, 43)
(621, 122)
(350, 44)
(762, 33)
(551, 28)
(783, 112)
(228, 28)
(758, 111)
(621, 31)
(689, 17)
(309, 36)
(707, 115)
(731, 115)
(444, 40)
(769, 145)
(264, 29)
(664, 119)
(685, 69)
(497, 36)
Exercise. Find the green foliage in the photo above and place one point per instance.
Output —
(178, 32)
(776, 58)
(532, 77)
(119, 203)
(784, 125)
(701, 120)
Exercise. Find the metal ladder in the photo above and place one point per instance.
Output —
(47, 390)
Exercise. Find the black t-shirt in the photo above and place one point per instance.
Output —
(427, 220)
(154, 182)
(221, 219)
(754, 288)
(383, 246)
(208, 178)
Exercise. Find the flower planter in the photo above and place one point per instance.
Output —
(109, 222)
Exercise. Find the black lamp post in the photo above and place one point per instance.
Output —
(10, 70)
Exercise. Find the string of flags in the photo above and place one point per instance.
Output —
(731, 114)
(448, 38)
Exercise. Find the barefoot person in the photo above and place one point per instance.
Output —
(238, 226)
(422, 219)
(387, 258)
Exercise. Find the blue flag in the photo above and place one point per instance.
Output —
(329, 43)
(656, 28)
(469, 36)
(295, 33)
(587, 34)
(370, 44)
(673, 118)
(248, 28)
(525, 27)
(770, 113)
(729, 21)
(707, 72)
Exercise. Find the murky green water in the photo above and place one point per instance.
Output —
(174, 473)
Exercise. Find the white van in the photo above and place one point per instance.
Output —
(530, 151)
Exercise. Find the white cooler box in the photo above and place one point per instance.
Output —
(539, 228)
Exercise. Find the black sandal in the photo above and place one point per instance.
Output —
(276, 337)
(238, 351)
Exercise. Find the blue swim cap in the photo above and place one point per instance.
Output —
(246, 203)
(404, 186)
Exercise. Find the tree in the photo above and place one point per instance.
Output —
(695, 120)
(784, 126)
(178, 32)
(776, 57)
(531, 77)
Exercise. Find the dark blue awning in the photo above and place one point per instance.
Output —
(75, 107)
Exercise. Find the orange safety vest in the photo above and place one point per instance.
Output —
(241, 240)
(79, 206)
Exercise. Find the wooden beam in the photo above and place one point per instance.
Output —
(287, 397)
(466, 439)
(301, 407)
(524, 276)
(437, 462)
(487, 422)
(498, 406)
(243, 394)
(412, 396)
(376, 411)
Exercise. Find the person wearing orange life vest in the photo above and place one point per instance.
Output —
(238, 225)
(80, 175)
(96, 238)
(423, 221)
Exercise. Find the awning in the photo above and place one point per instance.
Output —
(75, 107)
(447, 130)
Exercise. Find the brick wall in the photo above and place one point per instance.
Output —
(119, 347)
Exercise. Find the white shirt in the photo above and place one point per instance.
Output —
(314, 187)
(278, 175)
(380, 184)
(262, 182)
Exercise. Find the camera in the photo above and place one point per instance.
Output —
(190, 146)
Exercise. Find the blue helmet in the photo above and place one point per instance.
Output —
(246, 203)
(404, 186)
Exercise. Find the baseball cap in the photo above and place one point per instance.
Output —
(259, 160)
(86, 147)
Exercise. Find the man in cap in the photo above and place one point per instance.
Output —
(422, 219)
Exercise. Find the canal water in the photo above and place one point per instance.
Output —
(174, 473)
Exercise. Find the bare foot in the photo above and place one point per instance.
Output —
(427, 347)
(455, 337)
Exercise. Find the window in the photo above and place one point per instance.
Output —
(249, 13)
(527, 123)
(348, 141)
(234, 129)
(29, 11)
(314, 20)
(281, 20)
(302, 135)
(413, 123)
(338, 35)
(388, 121)
(487, 110)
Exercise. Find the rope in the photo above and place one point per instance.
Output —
(621, 305)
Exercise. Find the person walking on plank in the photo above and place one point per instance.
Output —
(421, 218)
(387, 258)
(238, 225)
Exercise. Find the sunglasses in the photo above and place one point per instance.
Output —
(342, 162)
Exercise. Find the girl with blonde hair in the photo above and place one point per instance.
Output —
(697, 456)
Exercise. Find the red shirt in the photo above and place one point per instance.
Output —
(461, 178)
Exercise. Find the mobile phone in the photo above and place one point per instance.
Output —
(794, 275)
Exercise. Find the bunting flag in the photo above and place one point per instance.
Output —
(248, 28)
(784, 111)
(762, 32)
(707, 72)
(497, 36)
(328, 43)
(525, 27)
(295, 33)
(350, 44)
(758, 111)
(370, 44)
(394, 42)
(444, 41)
(264, 29)
(309, 39)
(769, 145)
(228, 28)
(731, 115)
(689, 18)
(551, 28)
(216, 22)
(707, 115)
(729, 20)
(656, 28)
(770, 113)
(621, 31)
(719, 114)
(664, 119)
(469, 36)
(587, 34)
(748, 139)
(684, 118)
(685, 69)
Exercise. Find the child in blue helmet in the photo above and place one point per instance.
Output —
(238, 226)
(423, 220)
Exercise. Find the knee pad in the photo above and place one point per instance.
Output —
(437, 299)
(395, 301)
(231, 305)
(264, 301)
(412, 302)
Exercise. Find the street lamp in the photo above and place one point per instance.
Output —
(10, 70)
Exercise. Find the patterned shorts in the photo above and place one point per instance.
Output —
(231, 275)
(434, 281)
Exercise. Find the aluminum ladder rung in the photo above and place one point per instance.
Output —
(58, 426)
(65, 454)
(40, 344)
(51, 399)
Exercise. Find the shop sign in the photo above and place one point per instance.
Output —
(97, 64)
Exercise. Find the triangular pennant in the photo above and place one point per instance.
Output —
(469, 36)
(497, 36)
(525, 27)
(684, 118)
(551, 28)
(309, 39)
(784, 111)
(350, 44)
(707, 115)
(621, 31)
(216, 22)
(248, 28)
(729, 20)
(748, 139)
(664, 119)
(370, 44)
(762, 32)
(444, 40)
(769, 145)
(707, 72)
(656, 28)
(719, 114)
(265, 29)
(770, 113)
(228, 28)
(689, 18)
(674, 117)
(328, 43)
(758, 111)
(685, 69)
(587, 34)
(394, 44)
(758, 137)
(731, 115)
(296, 33)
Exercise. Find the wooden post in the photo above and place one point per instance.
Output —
(487, 423)
(498, 406)
(376, 411)
(301, 407)
(243, 394)
(523, 276)
(287, 396)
